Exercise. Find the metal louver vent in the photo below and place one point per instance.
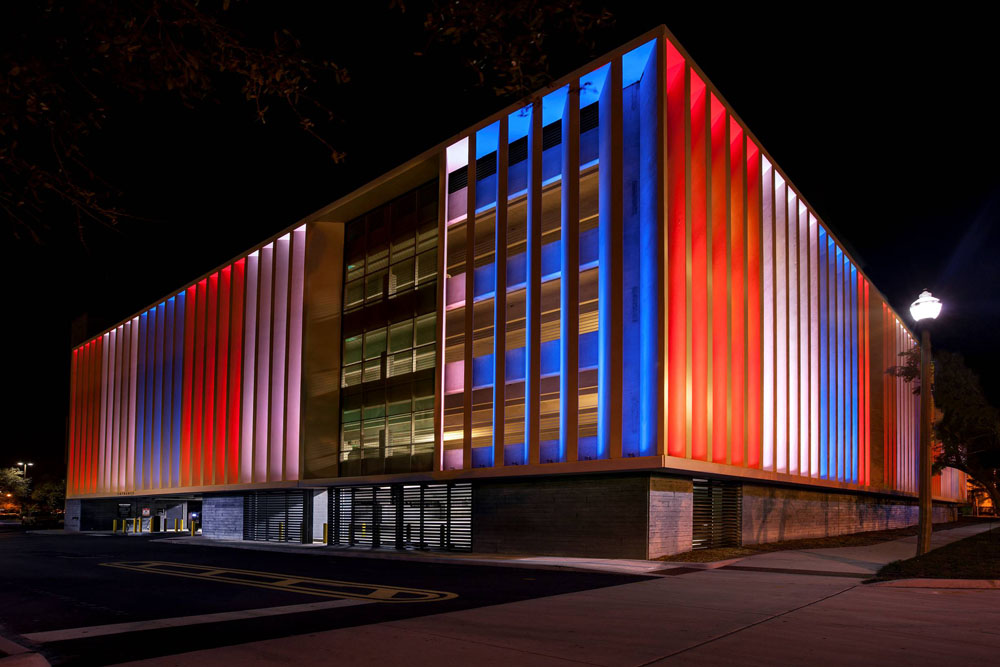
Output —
(280, 516)
(421, 516)
(717, 514)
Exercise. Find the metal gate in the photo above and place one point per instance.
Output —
(420, 516)
(277, 516)
(717, 514)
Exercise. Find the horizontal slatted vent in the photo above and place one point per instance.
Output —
(717, 514)
(280, 516)
(420, 516)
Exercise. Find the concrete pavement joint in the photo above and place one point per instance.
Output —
(741, 629)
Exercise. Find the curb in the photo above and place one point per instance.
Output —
(711, 565)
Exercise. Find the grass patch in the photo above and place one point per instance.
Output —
(852, 540)
(976, 557)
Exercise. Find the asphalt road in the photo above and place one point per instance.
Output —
(81, 584)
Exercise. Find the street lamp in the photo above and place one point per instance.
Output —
(924, 311)
(24, 473)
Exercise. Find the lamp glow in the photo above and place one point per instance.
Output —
(925, 307)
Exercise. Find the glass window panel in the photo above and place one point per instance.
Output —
(374, 406)
(373, 370)
(423, 395)
(426, 267)
(374, 343)
(401, 336)
(424, 357)
(400, 363)
(402, 246)
(377, 259)
(401, 277)
(427, 236)
(351, 438)
(423, 427)
(373, 436)
(352, 375)
(425, 329)
(389, 251)
(354, 295)
(398, 407)
(373, 286)
(399, 430)
(352, 350)
(355, 268)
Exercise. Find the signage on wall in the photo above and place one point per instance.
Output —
(145, 511)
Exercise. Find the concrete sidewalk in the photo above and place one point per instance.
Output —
(862, 561)
(711, 617)
(792, 608)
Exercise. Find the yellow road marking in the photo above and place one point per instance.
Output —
(289, 583)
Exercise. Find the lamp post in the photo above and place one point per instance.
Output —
(24, 473)
(924, 311)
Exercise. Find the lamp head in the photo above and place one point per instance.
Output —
(925, 307)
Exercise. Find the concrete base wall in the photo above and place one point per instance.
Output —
(72, 516)
(599, 516)
(773, 514)
(222, 517)
(670, 508)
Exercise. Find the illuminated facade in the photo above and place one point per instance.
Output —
(606, 295)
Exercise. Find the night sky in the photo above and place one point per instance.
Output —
(882, 121)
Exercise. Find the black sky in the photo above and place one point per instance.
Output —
(883, 120)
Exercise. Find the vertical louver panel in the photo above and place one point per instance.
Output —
(199, 390)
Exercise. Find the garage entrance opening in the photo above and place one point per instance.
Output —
(278, 516)
(404, 516)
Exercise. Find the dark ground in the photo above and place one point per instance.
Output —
(976, 557)
(53, 582)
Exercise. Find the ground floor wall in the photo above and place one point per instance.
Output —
(222, 517)
(602, 516)
(773, 514)
(623, 515)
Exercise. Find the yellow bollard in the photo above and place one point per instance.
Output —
(135, 524)
(177, 525)
(182, 524)
(281, 532)
(114, 525)
(326, 537)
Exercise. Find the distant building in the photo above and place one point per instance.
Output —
(623, 332)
